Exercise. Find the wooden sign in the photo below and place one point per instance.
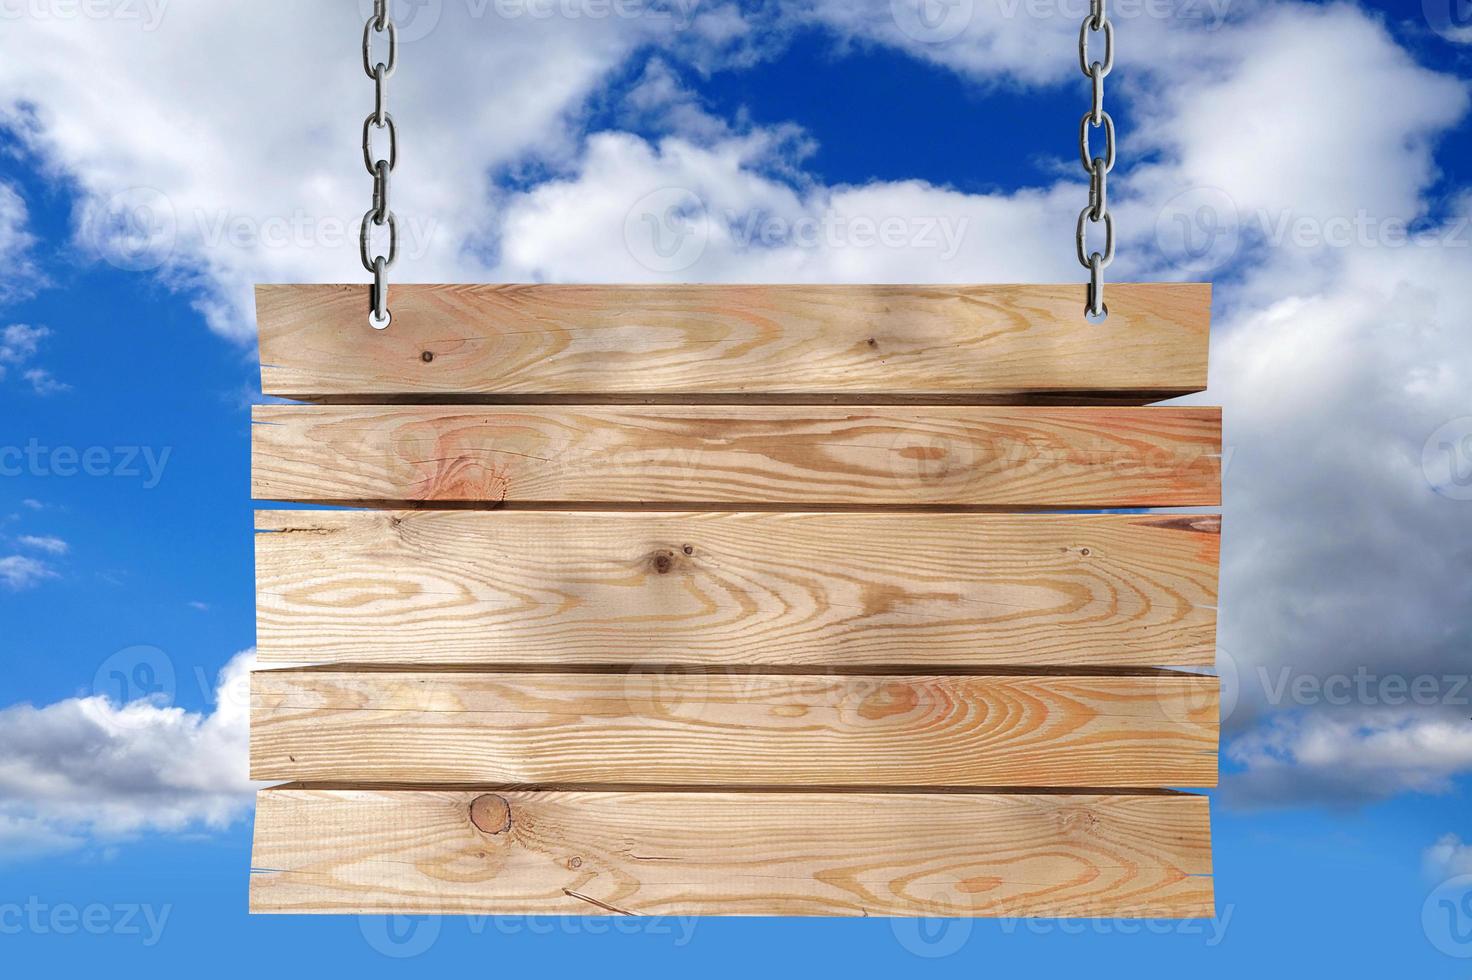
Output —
(767, 600)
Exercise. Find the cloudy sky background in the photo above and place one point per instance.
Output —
(1311, 159)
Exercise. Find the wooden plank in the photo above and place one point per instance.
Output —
(856, 342)
(490, 589)
(736, 455)
(590, 853)
(729, 728)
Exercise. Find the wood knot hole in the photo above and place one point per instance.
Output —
(427, 356)
(1085, 552)
(689, 549)
(490, 813)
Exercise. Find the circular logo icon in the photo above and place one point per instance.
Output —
(1231, 683)
(934, 938)
(413, 19)
(400, 936)
(140, 673)
(928, 461)
(1199, 229)
(932, 21)
(1446, 459)
(1446, 917)
(667, 230)
(136, 675)
(134, 230)
(1452, 19)
(653, 692)
(1204, 700)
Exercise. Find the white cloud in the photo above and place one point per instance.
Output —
(1448, 857)
(19, 275)
(43, 383)
(225, 149)
(48, 544)
(18, 344)
(21, 572)
(1348, 757)
(1029, 42)
(1335, 363)
(87, 769)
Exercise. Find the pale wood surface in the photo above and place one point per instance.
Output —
(482, 588)
(581, 853)
(853, 342)
(728, 728)
(740, 456)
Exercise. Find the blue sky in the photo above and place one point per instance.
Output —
(1344, 367)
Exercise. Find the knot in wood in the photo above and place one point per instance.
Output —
(490, 813)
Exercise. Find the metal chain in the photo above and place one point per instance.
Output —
(1096, 22)
(379, 166)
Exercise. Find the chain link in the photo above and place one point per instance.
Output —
(380, 214)
(1096, 21)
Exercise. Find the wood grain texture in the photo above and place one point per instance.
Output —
(855, 342)
(591, 853)
(491, 589)
(726, 728)
(740, 456)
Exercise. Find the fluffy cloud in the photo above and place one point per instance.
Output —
(46, 543)
(19, 277)
(18, 344)
(1448, 857)
(224, 150)
(88, 769)
(1010, 42)
(1347, 757)
(1342, 351)
(21, 572)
